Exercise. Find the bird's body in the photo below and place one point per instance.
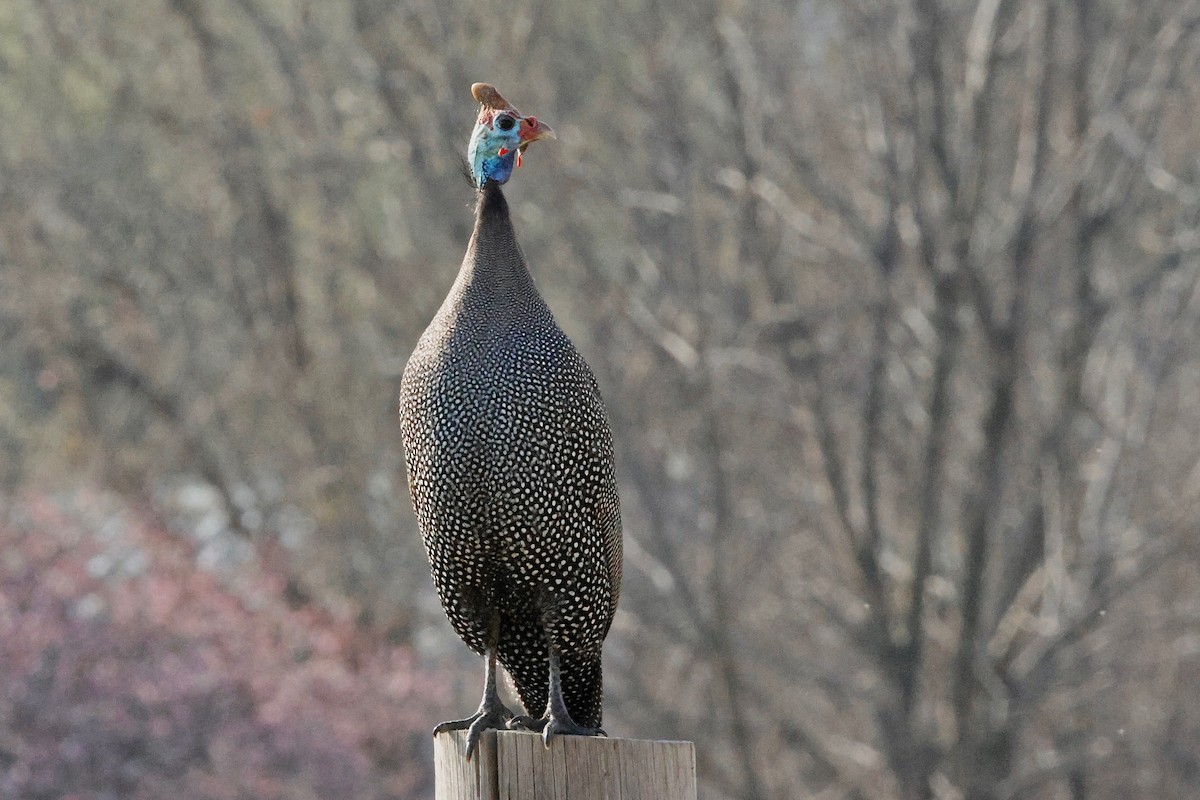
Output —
(510, 463)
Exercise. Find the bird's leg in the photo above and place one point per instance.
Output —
(557, 719)
(492, 714)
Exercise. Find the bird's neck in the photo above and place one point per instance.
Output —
(494, 263)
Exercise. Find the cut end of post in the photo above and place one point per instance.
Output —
(516, 765)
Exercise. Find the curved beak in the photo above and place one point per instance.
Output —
(532, 130)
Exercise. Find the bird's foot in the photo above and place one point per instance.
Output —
(524, 722)
(551, 726)
(565, 725)
(490, 716)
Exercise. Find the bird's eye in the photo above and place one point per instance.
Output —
(505, 123)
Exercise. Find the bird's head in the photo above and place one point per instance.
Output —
(500, 137)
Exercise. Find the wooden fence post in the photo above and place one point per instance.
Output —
(515, 765)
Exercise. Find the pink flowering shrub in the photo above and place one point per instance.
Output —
(126, 672)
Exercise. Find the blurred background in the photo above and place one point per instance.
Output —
(894, 304)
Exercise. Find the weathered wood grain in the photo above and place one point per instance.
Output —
(514, 765)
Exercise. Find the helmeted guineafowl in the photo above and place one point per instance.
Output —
(510, 465)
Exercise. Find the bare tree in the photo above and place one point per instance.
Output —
(940, 268)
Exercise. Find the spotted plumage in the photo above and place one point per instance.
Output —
(510, 463)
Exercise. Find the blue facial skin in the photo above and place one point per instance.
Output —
(483, 151)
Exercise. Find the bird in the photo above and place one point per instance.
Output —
(510, 463)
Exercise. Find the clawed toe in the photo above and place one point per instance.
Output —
(482, 720)
(556, 726)
(551, 726)
(524, 722)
